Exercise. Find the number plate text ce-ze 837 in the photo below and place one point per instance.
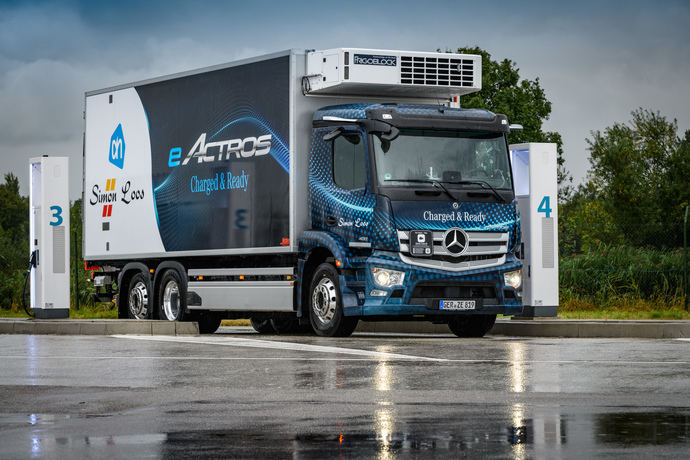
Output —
(457, 304)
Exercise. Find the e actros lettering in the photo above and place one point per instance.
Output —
(232, 148)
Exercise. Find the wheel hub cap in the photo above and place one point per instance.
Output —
(324, 300)
(171, 300)
(139, 300)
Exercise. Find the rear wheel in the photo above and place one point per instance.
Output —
(471, 326)
(285, 324)
(325, 305)
(138, 297)
(209, 322)
(262, 324)
(172, 297)
(289, 324)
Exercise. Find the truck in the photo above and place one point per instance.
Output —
(304, 190)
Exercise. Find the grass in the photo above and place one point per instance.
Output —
(563, 312)
(624, 314)
(102, 311)
(235, 322)
(622, 277)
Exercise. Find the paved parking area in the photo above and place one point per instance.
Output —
(239, 394)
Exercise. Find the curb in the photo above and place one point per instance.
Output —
(97, 327)
(565, 328)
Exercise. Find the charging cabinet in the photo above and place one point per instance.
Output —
(535, 168)
(49, 233)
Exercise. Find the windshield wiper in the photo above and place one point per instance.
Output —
(433, 182)
(480, 182)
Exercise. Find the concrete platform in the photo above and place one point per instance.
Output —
(571, 328)
(96, 327)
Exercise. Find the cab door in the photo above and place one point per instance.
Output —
(340, 194)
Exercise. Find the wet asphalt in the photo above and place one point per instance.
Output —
(237, 394)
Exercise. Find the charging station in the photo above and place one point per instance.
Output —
(49, 230)
(535, 168)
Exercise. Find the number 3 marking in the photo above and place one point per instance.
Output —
(57, 215)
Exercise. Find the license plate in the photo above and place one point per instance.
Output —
(457, 304)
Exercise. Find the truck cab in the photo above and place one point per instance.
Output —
(416, 204)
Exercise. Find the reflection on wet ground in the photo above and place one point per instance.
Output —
(380, 398)
(639, 428)
(546, 433)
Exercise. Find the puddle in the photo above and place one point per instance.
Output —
(640, 428)
(545, 432)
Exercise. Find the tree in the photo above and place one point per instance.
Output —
(523, 102)
(640, 174)
(14, 240)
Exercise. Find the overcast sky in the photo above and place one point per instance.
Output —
(597, 60)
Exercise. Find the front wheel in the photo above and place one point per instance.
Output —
(325, 305)
(172, 297)
(471, 326)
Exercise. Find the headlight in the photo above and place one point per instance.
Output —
(513, 279)
(387, 278)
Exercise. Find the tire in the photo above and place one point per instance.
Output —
(172, 297)
(326, 306)
(209, 322)
(471, 326)
(138, 300)
(289, 324)
(262, 324)
(285, 324)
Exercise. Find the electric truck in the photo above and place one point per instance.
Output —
(304, 190)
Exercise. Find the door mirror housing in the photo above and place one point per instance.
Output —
(332, 135)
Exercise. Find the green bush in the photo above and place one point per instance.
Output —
(619, 274)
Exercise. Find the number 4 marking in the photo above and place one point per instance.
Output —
(545, 206)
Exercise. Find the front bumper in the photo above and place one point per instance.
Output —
(423, 288)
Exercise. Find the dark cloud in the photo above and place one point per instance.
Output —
(596, 60)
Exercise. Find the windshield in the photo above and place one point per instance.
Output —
(444, 156)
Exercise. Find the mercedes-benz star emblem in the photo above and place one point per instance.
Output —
(455, 240)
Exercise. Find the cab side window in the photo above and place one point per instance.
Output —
(349, 162)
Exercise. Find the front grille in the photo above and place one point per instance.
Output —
(485, 249)
(424, 70)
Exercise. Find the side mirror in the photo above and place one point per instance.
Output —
(332, 135)
(391, 135)
(515, 127)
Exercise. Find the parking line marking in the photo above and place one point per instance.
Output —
(277, 345)
(194, 358)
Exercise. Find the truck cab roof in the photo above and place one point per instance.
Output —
(426, 116)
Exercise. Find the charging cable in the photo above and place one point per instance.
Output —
(32, 264)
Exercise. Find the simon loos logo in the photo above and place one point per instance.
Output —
(106, 199)
(116, 153)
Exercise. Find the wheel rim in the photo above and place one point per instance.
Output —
(171, 300)
(324, 300)
(139, 300)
